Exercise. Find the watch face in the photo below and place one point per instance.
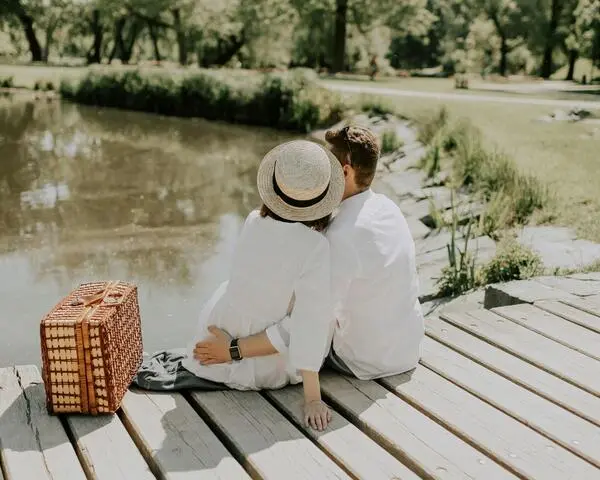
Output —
(235, 353)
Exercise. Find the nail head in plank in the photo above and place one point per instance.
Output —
(553, 327)
(563, 362)
(342, 441)
(106, 450)
(501, 437)
(519, 371)
(418, 441)
(175, 440)
(572, 314)
(570, 431)
(33, 444)
(271, 447)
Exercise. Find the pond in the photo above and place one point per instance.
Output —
(94, 194)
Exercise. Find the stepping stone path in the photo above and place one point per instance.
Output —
(399, 177)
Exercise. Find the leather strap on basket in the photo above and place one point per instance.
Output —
(86, 378)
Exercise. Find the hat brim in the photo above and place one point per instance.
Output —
(279, 207)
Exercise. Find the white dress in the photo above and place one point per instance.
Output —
(273, 261)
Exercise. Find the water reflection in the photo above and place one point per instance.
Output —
(93, 194)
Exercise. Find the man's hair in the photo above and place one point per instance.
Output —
(363, 148)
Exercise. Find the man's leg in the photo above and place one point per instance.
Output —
(335, 363)
(163, 372)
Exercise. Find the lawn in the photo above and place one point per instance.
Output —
(566, 156)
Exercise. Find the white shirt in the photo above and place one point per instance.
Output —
(273, 261)
(375, 286)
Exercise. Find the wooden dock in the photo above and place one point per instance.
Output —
(512, 392)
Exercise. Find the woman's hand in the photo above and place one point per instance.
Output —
(213, 350)
(317, 415)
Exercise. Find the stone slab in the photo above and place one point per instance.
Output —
(417, 228)
(559, 247)
(414, 208)
(522, 291)
(403, 183)
(484, 248)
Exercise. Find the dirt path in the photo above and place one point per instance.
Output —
(374, 90)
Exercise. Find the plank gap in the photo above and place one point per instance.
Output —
(454, 430)
(293, 421)
(222, 436)
(377, 438)
(80, 455)
(515, 380)
(147, 455)
(537, 364)
(510, 413)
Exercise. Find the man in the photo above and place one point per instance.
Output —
(378, 325)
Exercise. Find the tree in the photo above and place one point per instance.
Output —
(25, 16)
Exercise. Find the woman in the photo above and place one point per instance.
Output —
(281, 267)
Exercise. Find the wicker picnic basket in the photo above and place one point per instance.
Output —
(91, 348)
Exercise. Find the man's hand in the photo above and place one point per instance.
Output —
(317, 415)
(215, 349)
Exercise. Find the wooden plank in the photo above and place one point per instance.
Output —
(342, 440)
(106, 450)
(175, 441)
(522, 291)
(563, 362)
(269, 445)
(582, 287)
(572, 432)
(553, 327)
(518, 371)
(33, 444)
(502, 438)
(589, 305)
(421, 443)
(572, 314)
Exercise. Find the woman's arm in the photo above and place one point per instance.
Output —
(316, 414)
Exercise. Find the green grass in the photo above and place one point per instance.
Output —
(563, 156)
(583, 66)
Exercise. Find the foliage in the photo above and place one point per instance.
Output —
(288, 101)
(513, 261)
(460, 275)
(511, 196)
(7, 82)
(390, 142)
(375, 107)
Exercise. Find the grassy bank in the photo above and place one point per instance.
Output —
(562, 155)
(290, 101)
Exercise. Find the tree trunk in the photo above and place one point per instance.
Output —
(181, 37)
(573, 56)
(152, 29)
(118, 45)
(134, 31)
(547, 64)
(339, 36)
(34, 45)
(96, 54)
(503, 56)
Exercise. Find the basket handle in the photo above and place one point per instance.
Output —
(100, 296)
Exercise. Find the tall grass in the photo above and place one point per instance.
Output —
(290, 101)
(512, 196)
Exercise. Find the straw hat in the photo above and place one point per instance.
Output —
(300, 181)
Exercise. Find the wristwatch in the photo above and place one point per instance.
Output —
(234, 350)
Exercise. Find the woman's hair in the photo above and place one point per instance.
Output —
(318, 225)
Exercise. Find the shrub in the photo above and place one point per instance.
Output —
(375, 107)
(7, 82)
(513, 261)
(291, 101)
(390, 142)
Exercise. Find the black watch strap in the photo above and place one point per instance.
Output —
(234, 350)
